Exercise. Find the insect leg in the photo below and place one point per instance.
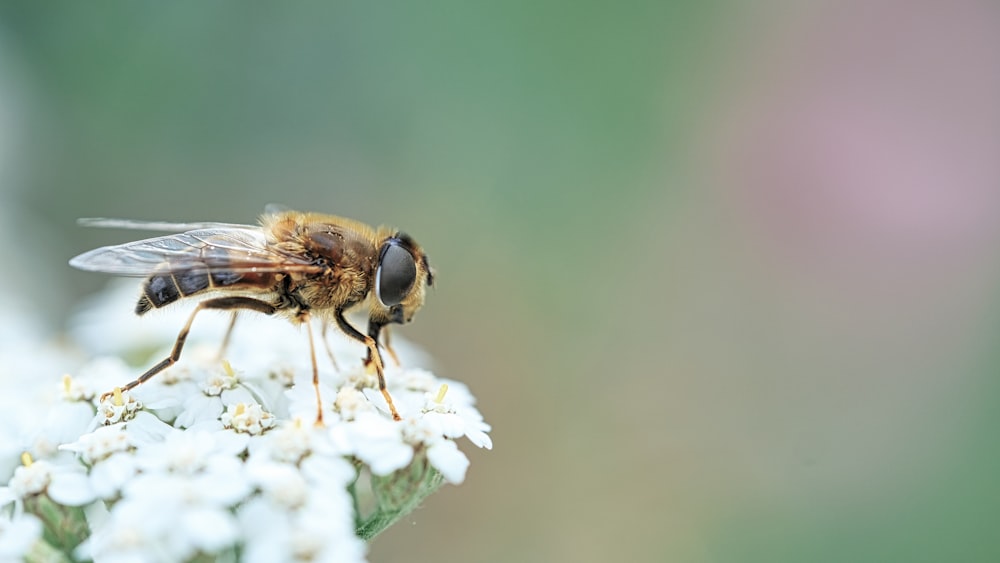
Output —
(326, 344)
(388, 347)
(375, 328)
(221, 303)
(305, 318)
(229, 334)
(373, 354)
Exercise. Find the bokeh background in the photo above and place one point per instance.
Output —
(723, 275)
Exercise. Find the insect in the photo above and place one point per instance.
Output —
(294, 264)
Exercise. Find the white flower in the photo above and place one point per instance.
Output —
(350, 403)
(42, 431)
(109, 475)
(101, 443)
(289, 442)
(249, 418)
(18, 535)
(417, 379)
(219, 381)
(65, 484)
(282, 484)
(459, 419)
(171, 515)
(207, 461)
(304, 512)
(146, 428)
(108, 450)
(117, 407)
(443, 454)
(77, 390)
(31, 479)
(375, 440)
(449, 460)
(317, 532)
(219, 387)
(302, 398)
(101, 374)
(191, 452)
(180, 501)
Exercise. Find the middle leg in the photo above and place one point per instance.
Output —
(373, 355)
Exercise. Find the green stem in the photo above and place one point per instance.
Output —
(64, 527)
(43, 552)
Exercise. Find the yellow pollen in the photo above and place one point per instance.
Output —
(240, 409)
(67, 383)
(26, 459)
(441, 393)
(228, 368)
(118, 400)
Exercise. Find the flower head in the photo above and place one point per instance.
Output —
(216, 460)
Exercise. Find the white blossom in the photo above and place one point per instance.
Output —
(209, 459)
(290, 442)
(18, 535)
(119, 406)
(377, 441)
(457, 418)
(171, 515)
(317, 532)
(219, 387)
(65, 484)
(108, 450)
(445, 456)
(101, 443)
(249, 418)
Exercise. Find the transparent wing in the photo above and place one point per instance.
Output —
(242, 249)
(102, 222)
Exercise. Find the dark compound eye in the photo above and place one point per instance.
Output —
(395, 274)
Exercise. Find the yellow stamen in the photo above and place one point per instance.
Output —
(26, 459)
(240, 409)
(441, 393)
(67, 383)
(228, 368)
(118, 400)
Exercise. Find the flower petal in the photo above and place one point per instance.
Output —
(209, 529)
(71, 489)
(449, 460)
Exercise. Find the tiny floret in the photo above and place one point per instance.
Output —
(31, 478)
(217, 382)
(74, 390)
(119, 407)
(101, 444)
(249, 418)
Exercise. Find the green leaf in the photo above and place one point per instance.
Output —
(398, 494)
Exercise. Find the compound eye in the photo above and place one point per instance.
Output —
(395, 274)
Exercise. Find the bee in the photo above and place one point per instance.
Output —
(293, 264)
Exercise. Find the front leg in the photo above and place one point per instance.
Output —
(374, 329)
(373, 355)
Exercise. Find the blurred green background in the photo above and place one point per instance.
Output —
(723, 277)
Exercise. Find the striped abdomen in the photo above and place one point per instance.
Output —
(163, 289)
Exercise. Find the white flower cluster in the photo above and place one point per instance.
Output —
(212, 460)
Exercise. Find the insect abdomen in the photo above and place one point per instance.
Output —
(163, 289)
